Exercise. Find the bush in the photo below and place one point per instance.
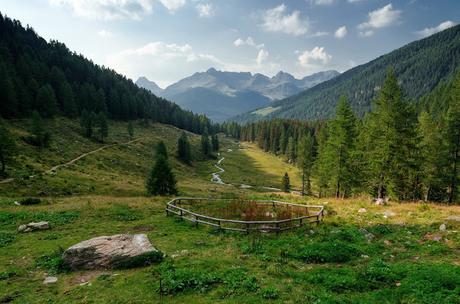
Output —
(53, 263)
(7, 274)
(6, 238)
(330, 252)
(238, 281)
(142, 260)
(30, 201)
(175, 281)
(270, 293)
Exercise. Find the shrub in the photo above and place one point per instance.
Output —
(53, 262)
(181, 280)
(270, 293)
(30, 201)
(7, 274)
(6, 238)
(142, 260)
(238, 281)
(330, 252)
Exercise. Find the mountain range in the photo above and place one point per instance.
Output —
(221, 95)
(419, 66)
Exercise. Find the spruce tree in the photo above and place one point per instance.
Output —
(161, 180)
(336, 156)
(215, 143)
(102, 126)
(46, 101)
(161, 150)
(285, 183)
(452, 135)
(7, 146)
(86, 122)
(291, 150)
(391, 139)
(130, 130)
(205, 147)
(40, 136)
(305, 160)
(183, 149)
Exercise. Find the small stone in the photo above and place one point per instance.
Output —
(442, 227)
(17, 203)
(364, 256)
(398, 284)
(362, 210)
(50, 280)
(453, 218)
(388, 214)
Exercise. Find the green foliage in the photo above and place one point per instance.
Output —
(130, 130)
(205, 146)
(124, 213)
(9, 218)
(102, 126)
(30, 201)
(215, 143)
(238, 281)
(46, 102)
(142, 260)
(285, 184)
(183, 149)
(53, 262)
(41, 137)
(161, 150)
(330, 252)
(270, 293)
(174, 281)
(161, 180)
(7, 146)
(6, 238)
(305, 160)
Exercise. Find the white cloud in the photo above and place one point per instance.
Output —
(262, 56)
(316, 55)
(341, 32)
(107, 9)
(433, 30)
(367, 33)
(278, 20)
(105, 34)
(381, 17)
(173, 5)
(248, 41)
(322, 2)
(205, 10)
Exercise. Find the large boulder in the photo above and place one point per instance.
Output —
(34, 226)
(116, 251)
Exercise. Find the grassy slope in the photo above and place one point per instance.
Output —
(327, 264)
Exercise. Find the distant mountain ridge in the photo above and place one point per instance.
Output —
(420, 66)
(221, 95)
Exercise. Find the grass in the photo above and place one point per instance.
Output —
(350, 258)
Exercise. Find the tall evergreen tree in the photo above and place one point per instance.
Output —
(161, 180)
(305, 160)
(285, 183)
(183, 149)
(40, 136)
(161, 149)
(7, 146)
(205, 147)
(336, 157)
(46, 101)
(86, 122)
(453, 141)
(215, 143)
(391, 135)
(291, 150)
(102, 126)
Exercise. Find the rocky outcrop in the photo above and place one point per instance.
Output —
(34, 226)
(116, 251)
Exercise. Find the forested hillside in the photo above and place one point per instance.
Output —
(416, 156)
(420, 66)
(48, 78)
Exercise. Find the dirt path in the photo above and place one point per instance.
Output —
(54, 169)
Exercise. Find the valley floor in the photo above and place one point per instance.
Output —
(361, 253)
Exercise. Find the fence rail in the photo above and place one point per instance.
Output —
(314, 213)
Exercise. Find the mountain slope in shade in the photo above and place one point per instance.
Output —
(143, 82)
(222, 95)
(419, 66)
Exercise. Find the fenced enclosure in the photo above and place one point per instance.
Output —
(245, 215)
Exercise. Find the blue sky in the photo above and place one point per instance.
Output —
(166, 40)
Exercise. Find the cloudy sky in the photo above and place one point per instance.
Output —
(166, 40)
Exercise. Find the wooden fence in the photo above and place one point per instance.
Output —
(315, 214)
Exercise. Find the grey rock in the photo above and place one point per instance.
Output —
(50, 280)
(106, 251)
(442, 227)
(362, 210)
(453, 218)
(388, 213)
(34, 226)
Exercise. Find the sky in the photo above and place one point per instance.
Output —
(167, 40)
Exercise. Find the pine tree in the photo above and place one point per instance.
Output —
(7, 146)
(102, 126)
(40, 136)
(183, 149)
(453, 141)
(291, 150)
(8, 94)
(391, 136)
(130, 130)
(305, 160)
(336, 157)
(161, 180)
(205, 147)
(161, 150)
(46, 101)
(86, 122)
(285, 183)
(215, 143)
